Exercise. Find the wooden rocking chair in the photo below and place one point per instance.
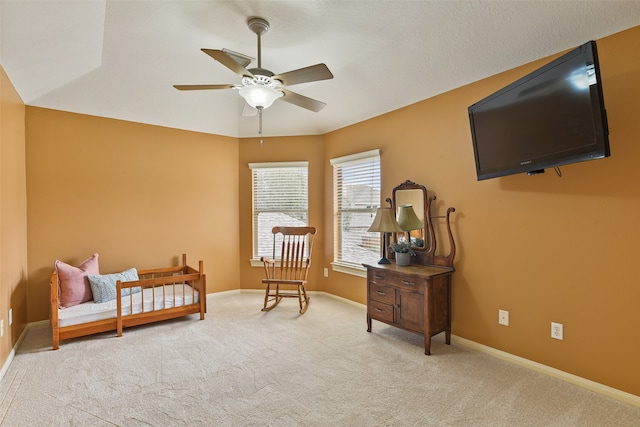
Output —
(291, 269)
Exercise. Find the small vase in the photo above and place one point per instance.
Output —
(403, 258)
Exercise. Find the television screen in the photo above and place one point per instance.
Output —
(551, 117)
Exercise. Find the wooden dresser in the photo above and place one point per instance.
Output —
(416, 298)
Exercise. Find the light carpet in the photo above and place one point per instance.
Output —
(243, 367)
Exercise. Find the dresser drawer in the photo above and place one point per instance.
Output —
(398, 280)
(410, 283)
(378, 277)
(380, 311)
(380, 293)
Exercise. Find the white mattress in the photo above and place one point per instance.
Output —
(150, 298)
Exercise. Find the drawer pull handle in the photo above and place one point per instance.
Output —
(406, 282)
(379, 310)
(378, 277)
(381, 293)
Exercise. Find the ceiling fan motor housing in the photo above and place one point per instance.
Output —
(261, 72)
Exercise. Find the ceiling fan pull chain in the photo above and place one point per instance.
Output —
(260, 124)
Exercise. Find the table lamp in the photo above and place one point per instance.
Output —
(385, 222)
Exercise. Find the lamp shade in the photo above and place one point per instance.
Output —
(385, 221)
(259, 96)
(407, 218)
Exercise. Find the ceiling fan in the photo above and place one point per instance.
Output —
(261, 87)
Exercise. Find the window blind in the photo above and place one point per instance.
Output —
(356, 180)
(280, 198)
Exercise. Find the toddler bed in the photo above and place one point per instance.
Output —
(157, 294)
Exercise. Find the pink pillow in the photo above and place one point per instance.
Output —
(74, 286)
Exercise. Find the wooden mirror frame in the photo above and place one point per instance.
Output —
(427, 254)
(419, 202)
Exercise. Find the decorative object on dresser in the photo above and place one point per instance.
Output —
(402, 251)
(416, 297)
(289, 267)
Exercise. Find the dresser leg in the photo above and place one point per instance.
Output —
(447, 337)
(427, 345)
(368, 323)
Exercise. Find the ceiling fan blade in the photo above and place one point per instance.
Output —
(302, 101)
(203, 87)
(228, 62)
(312, 73)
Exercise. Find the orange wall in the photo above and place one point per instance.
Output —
(280, 149)
(544, 248)
(13, 221)
(139, 195)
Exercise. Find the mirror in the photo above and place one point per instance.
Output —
(409, 201)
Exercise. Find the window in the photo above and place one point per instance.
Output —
(356, 189)
(280, 197)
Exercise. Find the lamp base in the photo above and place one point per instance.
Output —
(384, 259)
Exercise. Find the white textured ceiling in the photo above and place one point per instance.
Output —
(119, 59)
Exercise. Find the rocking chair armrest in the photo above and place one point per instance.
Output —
(267, 260)
(269, 267)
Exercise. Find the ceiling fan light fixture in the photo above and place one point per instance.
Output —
(259, 96)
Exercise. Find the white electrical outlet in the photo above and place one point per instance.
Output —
(1, 327)
(503, 317)
(10, 316)
(556, 330)
(326, 272)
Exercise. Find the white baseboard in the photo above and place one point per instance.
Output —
(221, 293)
(611, 392)
(250, 291)
(345, 300)
(7, 363)
(12, 353)
(326, 294)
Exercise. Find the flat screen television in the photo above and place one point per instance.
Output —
(551, 117)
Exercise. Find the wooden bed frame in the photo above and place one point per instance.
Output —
(157, 279)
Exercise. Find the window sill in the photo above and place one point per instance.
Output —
(349, 269)
(340, 268)
(255, 262)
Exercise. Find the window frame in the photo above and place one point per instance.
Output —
(353, 267)
(255, 231)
